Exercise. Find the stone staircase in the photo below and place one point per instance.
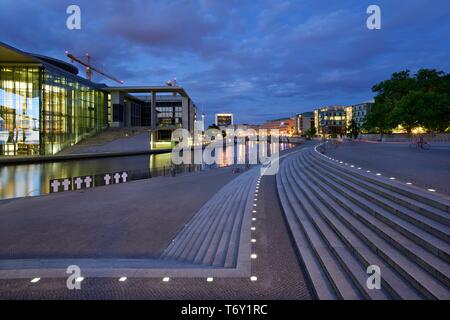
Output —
(344, 219)
(212, 237)
(104, 137)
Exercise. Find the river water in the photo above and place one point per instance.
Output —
(33, 179)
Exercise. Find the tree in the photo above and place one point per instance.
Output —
(377, 119)
(407, 111)
(213, 126)
(311, 132)
(421, 100)
(353, 130)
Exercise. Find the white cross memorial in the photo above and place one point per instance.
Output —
(66, 183)
(107, 179)
(124, 177)
(88, 181)
(55, 185)
(117, 178)
(78, 182)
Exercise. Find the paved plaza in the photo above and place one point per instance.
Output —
(425, 168)
(277, 268)
(137, 219)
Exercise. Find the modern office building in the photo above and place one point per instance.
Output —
(331, 120)
(358, 113)
(223, 120)
(45, 106)
(334, 120)
(303, 122)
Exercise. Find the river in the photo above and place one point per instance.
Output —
(33, 179)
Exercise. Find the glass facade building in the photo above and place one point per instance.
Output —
(44, 108)
(331, 120)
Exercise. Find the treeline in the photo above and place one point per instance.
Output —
(411, 101)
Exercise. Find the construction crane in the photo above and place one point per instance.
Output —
(90, 68)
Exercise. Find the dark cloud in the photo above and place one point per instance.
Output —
(258, 59)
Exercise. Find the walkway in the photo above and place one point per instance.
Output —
(244, 211)
(425, 168)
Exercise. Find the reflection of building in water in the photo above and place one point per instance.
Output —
(20, 181)
(158, 161)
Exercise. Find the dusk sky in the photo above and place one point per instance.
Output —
(257, 59)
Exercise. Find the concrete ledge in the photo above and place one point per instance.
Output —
(68, 157)
(107, 268)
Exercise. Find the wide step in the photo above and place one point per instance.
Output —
(351, 221)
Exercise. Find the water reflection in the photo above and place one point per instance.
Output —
(33, 179)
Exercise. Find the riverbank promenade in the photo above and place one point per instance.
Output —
(215, 234)
(312, 231)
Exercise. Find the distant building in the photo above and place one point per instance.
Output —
(330, 120)
(169, 115)
(303, 122)
(223, 120)
(285, 126)
(358, 113)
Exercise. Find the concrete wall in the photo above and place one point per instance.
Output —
(404, 137)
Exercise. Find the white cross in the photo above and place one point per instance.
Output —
(124, 177)
(66, 183)
(55, 185)
(117, 178)
(78, 181)
(88, 181)
(107, 179)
